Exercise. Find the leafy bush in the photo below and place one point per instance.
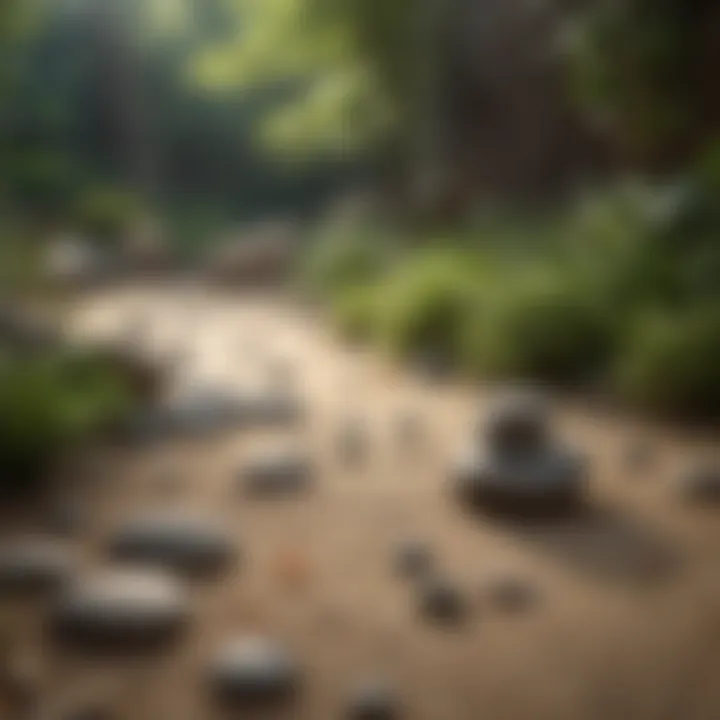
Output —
(343, 257)
(106, 214)
(671, 363)
(544, 328)
(428, 304)
(48, 404)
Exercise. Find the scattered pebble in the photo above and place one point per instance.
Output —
(253, 670)
(442, 602)
(414, 559)
(373, 700)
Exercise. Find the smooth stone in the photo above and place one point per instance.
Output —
(276, 473)
(442, 602)
(373, 700)
(178, 542)
(414, 559)
(517, 423)
(33, 565)
(121, 607)
(509, 593)
(550, 480)
(251, 670)
(701, 484)
(65, 520)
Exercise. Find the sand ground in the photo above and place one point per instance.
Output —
(627, 619)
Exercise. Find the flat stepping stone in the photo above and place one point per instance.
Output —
(441, 602)
(121, 608)
(274, 473)
(551, 481)
(638, 456)
(414, 559)
(33, 566)
(176, 542)
(253, 670)
(409, 430)
(206, 411)
(701, 484)
(373, 700)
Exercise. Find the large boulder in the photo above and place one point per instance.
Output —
(514, 464)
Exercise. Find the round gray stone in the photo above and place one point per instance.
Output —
(414, 559)
(373, 700)
(33, 565)
(121, 607)
(441, 602)
(517, 423)
(251, 670)
(176, 541)
(276, 472)
(551, 480)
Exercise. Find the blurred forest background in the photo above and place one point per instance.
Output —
(509, 188)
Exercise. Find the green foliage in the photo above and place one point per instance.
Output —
(427, 304)
(50, 403)
(546, 328)
(671, 363)
(344, 257)
(106, 214)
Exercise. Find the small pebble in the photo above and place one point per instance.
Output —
(373, 700)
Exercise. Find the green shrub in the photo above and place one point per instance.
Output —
(48, 404)
(671, 363)
(340, 259)
(429, 303)
(541, 328)
(106, 214)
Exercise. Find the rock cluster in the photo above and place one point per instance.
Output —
(514, 464)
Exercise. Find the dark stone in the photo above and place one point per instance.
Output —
(373, 701)
(414, 559)
(65, 520)
(253, 670)
(277, 473)
(552, 481)
(510, 594)
(120, 609)
(701, 484)
(178, 542)
(206, 411)
(517, 424)
(33, 565)
(442, 602)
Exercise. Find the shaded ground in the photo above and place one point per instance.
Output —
(627, 623)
